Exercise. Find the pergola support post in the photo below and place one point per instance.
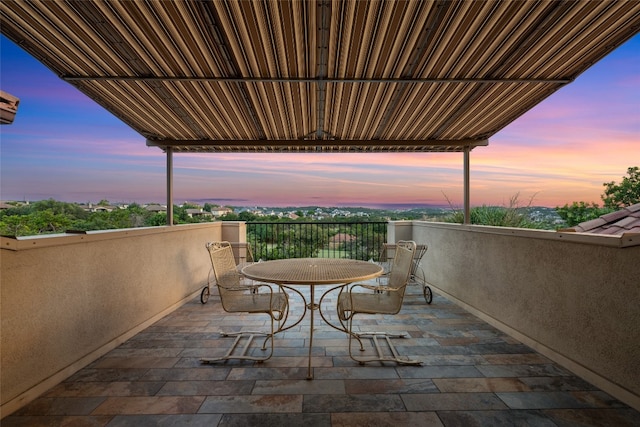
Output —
(169, 152)
(467, 209)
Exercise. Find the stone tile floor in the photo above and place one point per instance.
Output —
(472, 375)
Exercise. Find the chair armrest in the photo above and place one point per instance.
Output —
(250, 288)
(375, 288)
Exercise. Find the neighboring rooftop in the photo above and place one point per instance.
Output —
(626, 220)
(8, 107)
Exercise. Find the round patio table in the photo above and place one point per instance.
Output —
(311, 272)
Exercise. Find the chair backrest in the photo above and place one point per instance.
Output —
(224, 266)
(249, 253)
(401, 266)
(389, 249)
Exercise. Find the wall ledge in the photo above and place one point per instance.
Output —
(625, 240)
(75, 237)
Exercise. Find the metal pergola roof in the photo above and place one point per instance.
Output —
(319, 75)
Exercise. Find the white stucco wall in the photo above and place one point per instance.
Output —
(68, 299)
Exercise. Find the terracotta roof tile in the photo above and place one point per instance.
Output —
(633, 208)
(612, 230)
(626, 220)
(614, 216)
(592, 224)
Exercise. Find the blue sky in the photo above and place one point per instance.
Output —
(64, 146)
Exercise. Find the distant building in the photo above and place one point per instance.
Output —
(193, 212)
(341, 238)
(220, 211)
(156, 208)
(90, 207)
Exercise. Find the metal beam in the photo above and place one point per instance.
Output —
(324, 16)
(315, 143)
(319, 80)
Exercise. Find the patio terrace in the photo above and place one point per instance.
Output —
(118, 329)
(473, 374)
(74, 307)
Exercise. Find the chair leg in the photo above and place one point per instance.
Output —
(351, 336)
(248, 336)
(394, 357)
(273, 333)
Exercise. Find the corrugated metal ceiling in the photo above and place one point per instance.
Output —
(319, 75)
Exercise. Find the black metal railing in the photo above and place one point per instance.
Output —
(280, 240)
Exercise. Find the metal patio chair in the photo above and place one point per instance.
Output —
(417, 274)
(385, 298)
(243, 261)
(237, 297)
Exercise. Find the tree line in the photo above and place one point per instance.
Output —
(51, 216)
(616, 195)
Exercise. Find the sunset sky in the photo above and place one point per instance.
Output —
(64, 146)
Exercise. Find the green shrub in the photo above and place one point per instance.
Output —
(497, 216)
